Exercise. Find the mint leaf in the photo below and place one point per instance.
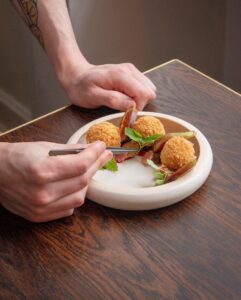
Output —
(111, 165)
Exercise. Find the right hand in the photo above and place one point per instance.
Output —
(41, 188)
(118, 86)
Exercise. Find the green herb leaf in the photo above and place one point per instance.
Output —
(160, 175)
(133, 135)
(151, 139)
(160, 181)
(137, 137)
(111, 165)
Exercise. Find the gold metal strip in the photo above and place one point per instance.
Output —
(145, 72)
(59, 109)
(34, 120)
(205, 75)
(159, 66)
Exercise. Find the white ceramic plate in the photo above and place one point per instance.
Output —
(132, 187)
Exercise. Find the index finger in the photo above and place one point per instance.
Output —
(131, 86)
(66, 166)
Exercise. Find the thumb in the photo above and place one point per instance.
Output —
(115, 100)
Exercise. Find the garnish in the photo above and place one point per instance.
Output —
(128, 120)
(142, 141)
(111, 165)
(153, 165)
(160, 175)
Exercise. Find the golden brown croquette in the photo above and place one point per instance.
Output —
(105, 132)
(148, 125)
(177, 152)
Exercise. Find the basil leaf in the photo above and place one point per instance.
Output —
(137, 137)
(133, 135)
(151, 139)
(111, 165)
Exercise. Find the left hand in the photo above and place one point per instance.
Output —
(42, 188)
(116, 86)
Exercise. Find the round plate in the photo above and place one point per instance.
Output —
(132, 187)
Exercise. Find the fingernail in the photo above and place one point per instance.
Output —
(130, 104)
(140, 106)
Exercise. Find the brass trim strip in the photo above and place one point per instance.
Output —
(59, 109)
(145, 72)
(194, 69)
(212, 79)
(159, 66)
(34, 120)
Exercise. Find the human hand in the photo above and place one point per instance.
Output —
(41, 188)
(116, 86)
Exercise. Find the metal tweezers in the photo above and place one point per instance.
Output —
(114, 150)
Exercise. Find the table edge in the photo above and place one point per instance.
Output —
(209, 77)
(61, 108)
(145, 72)
(34, 120)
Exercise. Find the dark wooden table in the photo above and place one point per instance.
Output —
(191, 250)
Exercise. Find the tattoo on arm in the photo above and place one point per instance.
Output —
(29, 11)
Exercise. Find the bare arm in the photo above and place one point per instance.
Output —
(50, 23)
(42, 188)
(29, 12)
(116, 86)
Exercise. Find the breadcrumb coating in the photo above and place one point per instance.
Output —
(177, 152)
(148, 125)
(105, 132)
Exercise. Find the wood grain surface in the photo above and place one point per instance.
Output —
(191, 250)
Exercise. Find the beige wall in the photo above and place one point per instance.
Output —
(15, 55)
(151, 32)
(146, 33)
(27, 84)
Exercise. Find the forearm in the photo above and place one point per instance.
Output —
(116, 86)
(49, 21)
(58, 36)
(29, 12)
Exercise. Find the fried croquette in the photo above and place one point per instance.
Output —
(148, 125)
(105, 132)
(177, 152)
